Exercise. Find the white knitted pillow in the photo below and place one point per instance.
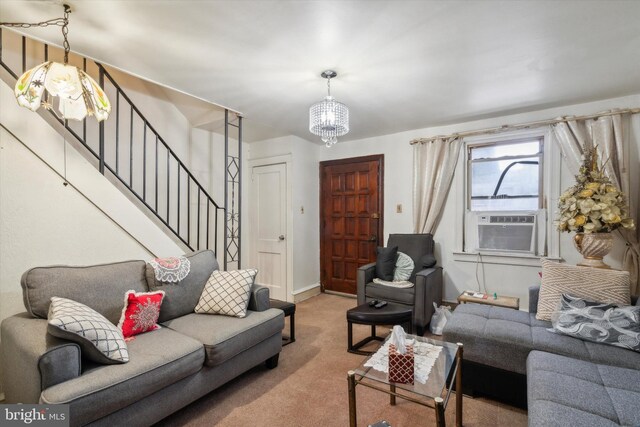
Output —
(594, 284)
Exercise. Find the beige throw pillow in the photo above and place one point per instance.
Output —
(595, 284)
(227, 292)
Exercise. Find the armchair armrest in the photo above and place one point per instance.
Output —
(366, 273)
(428, 291)
(534, 293)
(259, 298)
(33, 360)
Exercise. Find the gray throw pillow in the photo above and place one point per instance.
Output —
(386, 262)
(428, 261)
(99, 339)
(598, 322)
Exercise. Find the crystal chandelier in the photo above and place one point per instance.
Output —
(329, 118)
(79, 95)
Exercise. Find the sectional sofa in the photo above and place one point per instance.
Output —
(189, 356)
(512, 356)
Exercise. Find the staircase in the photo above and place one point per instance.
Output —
(127, 150)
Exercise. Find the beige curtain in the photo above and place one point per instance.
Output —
(576, 137)
(434, 164)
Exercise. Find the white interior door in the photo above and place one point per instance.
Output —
(268, 219)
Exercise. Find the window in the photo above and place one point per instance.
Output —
(505, 176)
(504, 196)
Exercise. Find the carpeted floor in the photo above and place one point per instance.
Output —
(309, 386)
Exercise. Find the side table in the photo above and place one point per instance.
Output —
(289, 309)
(501, 301)
(390, 314)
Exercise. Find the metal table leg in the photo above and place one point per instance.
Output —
(392, 397)
(352, 398)
(440, 422)
(459, 385)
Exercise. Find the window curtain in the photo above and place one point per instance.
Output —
(577, 137)
(434, 164)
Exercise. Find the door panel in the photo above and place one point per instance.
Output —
(269, 228)
(351, 219)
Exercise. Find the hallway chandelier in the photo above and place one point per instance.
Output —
(79, 95)
(329, 118)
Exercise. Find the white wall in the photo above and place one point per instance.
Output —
(506, 280)
(398, 157)
(305, 203)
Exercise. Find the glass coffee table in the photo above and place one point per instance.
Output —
(434, 393)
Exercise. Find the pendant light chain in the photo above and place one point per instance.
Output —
(60, 22)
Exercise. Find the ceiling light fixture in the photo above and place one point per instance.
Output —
(79, 95)
(329, 118)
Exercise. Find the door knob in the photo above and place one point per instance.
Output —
(373, 238)
(281, 237)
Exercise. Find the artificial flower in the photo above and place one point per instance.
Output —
(594, 204)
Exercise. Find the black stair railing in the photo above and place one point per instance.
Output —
(129, 148)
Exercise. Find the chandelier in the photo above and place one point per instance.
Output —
(79, 95)
(329, 118)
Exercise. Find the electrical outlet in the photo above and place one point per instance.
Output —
(398, 208)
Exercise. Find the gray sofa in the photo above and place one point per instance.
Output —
(191, 355)
(511, 356)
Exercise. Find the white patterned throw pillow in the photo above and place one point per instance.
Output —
(595, 284)
(227, 292)
(99, 339)
(404, 267)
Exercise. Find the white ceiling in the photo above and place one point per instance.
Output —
(402, 64)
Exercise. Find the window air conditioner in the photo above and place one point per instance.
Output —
(505, 232)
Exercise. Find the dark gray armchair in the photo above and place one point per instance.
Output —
(428, 281)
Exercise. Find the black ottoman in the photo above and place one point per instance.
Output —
(390, 314)
(289, 309)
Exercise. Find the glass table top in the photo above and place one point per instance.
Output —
(437, 378)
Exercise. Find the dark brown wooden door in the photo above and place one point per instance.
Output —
(350, 219)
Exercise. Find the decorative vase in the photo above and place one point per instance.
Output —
(593, 247)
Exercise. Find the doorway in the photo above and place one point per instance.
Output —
(351, 219)
(269, 225)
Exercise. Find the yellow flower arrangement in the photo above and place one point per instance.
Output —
(594, 204)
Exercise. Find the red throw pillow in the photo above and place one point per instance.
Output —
(140, 312)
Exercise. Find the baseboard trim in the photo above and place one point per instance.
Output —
(305, 293)
(340, 294)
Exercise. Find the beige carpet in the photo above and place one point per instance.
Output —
(309, 386)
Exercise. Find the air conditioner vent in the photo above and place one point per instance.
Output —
(512, 219)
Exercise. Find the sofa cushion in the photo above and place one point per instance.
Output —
(181, 297)
(100, 287)
(225, 336)
(502, 338)
(564, 391)
(227, 292)
(595, 284)
(157, 359)
(498, 338)
(389, 293)
(99, 339)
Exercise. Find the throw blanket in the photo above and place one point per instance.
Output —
(398, 284)
(171, 269)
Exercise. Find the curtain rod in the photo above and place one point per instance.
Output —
(539, 123)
